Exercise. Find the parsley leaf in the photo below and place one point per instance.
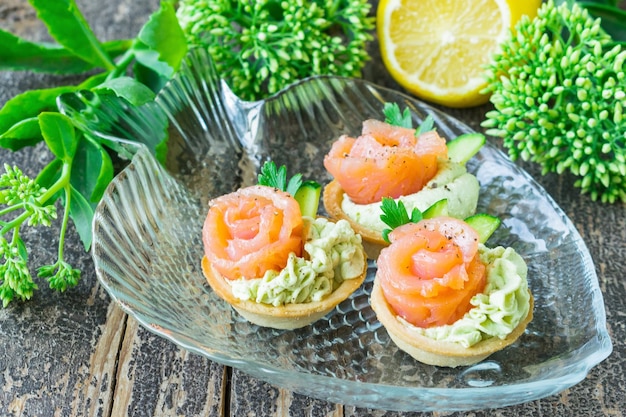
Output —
(426, 126)
(275, 177)
(395, 215)
(395, 117)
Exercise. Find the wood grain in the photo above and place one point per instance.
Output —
(156, 378)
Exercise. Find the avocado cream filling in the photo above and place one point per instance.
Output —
(334, 254)
(498, 310)
(452, 182)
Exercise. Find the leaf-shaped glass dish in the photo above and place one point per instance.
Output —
(147, 248)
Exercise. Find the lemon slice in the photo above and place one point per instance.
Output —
(437, 49)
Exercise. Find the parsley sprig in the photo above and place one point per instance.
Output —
(306, 193)
(276, 177)
(394, 116)
(395, 215)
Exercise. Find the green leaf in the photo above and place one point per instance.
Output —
(59, 134)
(50, 174)
(150, 58)
(161, 149)
(395, 117)
(163, 35)
(24, 133)
(92, 170)
(271, 176)
(294, 184)
(154, 80)
(21, 249)
(30, 104)
(395, 214)
(128, 88)
(92, 81)
(105, 113)
(607, 2)
(426, 126)
(274, 177)
(68, 27)
(19, 54)
(81, 214)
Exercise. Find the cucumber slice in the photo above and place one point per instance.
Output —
(440, 208)
(461, 149)
(484, 224)
(308, 197)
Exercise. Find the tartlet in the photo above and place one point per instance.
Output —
(390, 161)
(434, 352)
(447, 299)
(332, 198)
(287, 316)
(274, 266)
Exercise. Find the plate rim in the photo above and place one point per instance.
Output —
(265, 372)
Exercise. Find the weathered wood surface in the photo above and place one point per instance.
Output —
(78, 354)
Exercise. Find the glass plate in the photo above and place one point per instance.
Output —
(147, 247)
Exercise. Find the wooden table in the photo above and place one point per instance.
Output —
(78, 354)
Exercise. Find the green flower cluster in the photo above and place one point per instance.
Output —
(22, 200)
(260, 47)
(559, 91)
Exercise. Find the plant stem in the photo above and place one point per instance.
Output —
(61, 183)
(63, 180)
(122, 64)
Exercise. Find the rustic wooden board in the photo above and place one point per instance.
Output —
(156, 378)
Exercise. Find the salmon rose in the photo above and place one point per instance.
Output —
(251, 231)
(431, 271)
(385, 161)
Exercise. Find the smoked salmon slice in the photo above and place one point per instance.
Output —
(431, 271)
(384, 161)
(251, 231)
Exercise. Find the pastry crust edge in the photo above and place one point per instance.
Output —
(332, 198)
(434, 352)
(287, 316)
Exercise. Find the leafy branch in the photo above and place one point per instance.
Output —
(82, 167)
(30, 203)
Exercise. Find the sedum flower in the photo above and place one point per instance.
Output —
(259, 47)
(559, 90)
(24, 201)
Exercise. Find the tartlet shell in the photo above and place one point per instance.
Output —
(288, 316)
(332, 197)
(439, 353)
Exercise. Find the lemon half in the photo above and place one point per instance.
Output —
(437, 49)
